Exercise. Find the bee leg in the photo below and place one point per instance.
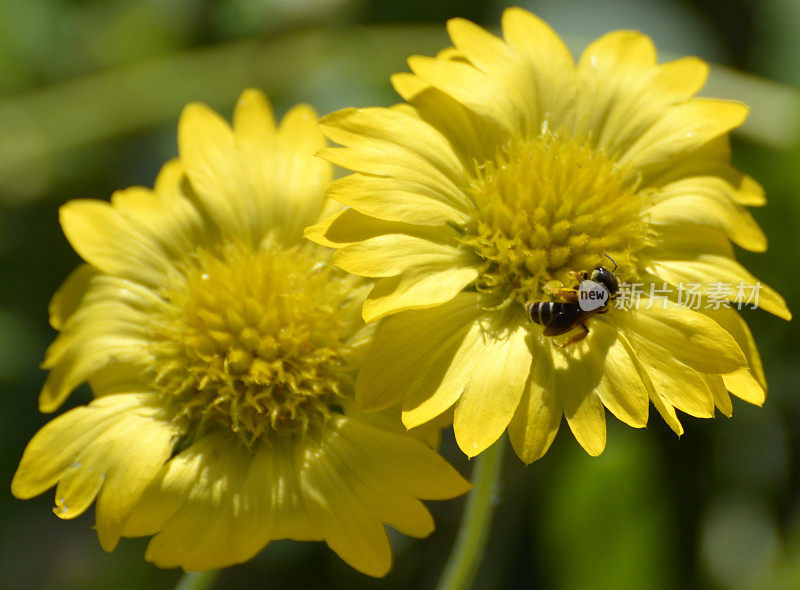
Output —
(577, 338)
(562, 293)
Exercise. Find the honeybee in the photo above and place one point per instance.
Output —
(595, 291)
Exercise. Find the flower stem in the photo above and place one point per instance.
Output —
(459, 573)
(197, 580)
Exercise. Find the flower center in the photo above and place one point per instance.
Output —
(255, 340)
(548, 206)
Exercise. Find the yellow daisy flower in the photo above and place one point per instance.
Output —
(221, 348)
(509, 169)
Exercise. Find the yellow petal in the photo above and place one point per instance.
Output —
(108, 241)
(395, 200)
(548, 62)
(621, 388)
(165, 495)
(253, 516)
(667, 412)
(268, 504)
(347, 527)
(392, 254)
(292, 518)
(394, 135)
(403, 462)
(430, 433)
(485, 51)
(681, 129)
(281, 163)
(140, 446)
(470, 135)
(213, 506)
(690, 203)
(217, 173)
(575, 384)
(116, 378)
(536, 421)
(408, 85)
(164, 215)
(678, 384)
(349, 226)
(615, 104)
(80, 483)
(80, 363)
(405, 165)
(506, 70)
(664, 408)
(114, 446)
(388, 504)
(252, 178)
(498, 362)
(732, 322)
(722, 399)
(109, 328)
(254, 126)
(688, 336)
(198, 487)
(440, 384)
(624, 95)
(418, 288)
(749, 192)
(684, 242)
(69, 295)
(54, 448)
(216, 503)
(238, 175)
(743, 385)
(451, 54)
(738, 188)
(709, 163)
(708, 269)
(300, 177)
(411, 351)
(469, 86)
(680, 79)
(623, 53)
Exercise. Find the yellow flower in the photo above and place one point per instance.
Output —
(509, 168)
(221, 349)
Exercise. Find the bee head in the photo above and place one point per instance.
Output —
(606, 278)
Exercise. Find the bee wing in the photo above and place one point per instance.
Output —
(557, 330)
(566, 322)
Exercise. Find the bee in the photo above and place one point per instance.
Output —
(595, 291)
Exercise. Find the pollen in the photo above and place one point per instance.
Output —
(548, 206)
(254, 341)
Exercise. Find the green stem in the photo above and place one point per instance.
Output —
(459, 573)
(197, 580)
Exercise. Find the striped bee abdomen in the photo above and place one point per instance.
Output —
(556, 317)
(542, 312)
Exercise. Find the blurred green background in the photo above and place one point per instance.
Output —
(90, 92)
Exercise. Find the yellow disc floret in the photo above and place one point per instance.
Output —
(254, 340)
(547, 206)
